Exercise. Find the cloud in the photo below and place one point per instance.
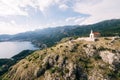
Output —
(76, 20)
(103, 10)
(15, 7)
(12, 28)
(63, 7)
(23, 15)
(11, 7)
(44, 4)
(70, 19)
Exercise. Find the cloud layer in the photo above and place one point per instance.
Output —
(23, 15)
(102, 10)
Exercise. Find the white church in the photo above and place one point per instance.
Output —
(92, 36)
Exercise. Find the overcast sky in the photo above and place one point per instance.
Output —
(24, 15)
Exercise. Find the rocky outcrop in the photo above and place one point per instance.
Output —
(78, 60)
(107, 56)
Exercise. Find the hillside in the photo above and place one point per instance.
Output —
(6, 63)
(51, 36)
(71, 60)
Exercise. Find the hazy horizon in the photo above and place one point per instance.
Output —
(18, 16)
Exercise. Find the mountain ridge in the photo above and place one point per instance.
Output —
(51, 36)
(61, 60)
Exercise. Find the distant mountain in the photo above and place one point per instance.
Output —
(51, 36)
(5, 37)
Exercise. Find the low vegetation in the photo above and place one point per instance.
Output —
(5, 64)
(77, 60)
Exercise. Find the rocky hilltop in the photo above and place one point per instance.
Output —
(71, 60)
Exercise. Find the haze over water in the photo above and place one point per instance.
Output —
(9, 49)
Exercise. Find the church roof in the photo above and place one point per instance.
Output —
(96, 33)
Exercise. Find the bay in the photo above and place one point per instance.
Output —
(9, 49)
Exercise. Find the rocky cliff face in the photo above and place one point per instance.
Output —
(72, 60)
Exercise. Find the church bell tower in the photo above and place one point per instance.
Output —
(91, 35)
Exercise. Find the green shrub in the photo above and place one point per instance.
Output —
(66, 70)
(29, 59)
(61, 46)
(61, 73)
(85, 45)
(101, 48)
(36, 56)
(107, 38)
(54, 69)
(66, 46)
(25, 66)
(97, 57)
(52, 49)
(111, 75)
